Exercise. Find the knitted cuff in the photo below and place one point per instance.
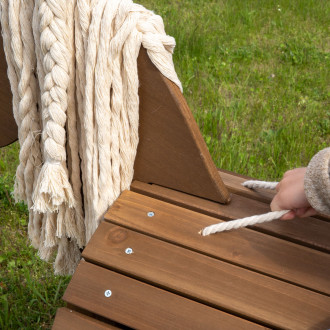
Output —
(317, 182)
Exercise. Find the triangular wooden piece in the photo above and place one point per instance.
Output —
(8, 127)
(171, 151)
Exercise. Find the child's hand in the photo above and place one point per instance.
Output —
(291, 196)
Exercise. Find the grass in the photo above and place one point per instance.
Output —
(29, 292)
(256, 76)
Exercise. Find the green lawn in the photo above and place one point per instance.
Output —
(256, 76)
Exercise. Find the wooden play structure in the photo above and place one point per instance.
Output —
(147, 267)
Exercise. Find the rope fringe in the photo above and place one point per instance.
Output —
(72, 66)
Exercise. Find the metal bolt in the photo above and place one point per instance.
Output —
(108, 293)
(129, 251)
(151, 214)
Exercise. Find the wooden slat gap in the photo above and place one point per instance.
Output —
(96, 316)
(70, 318)
(172, 242)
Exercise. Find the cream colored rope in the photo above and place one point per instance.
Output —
(248, 221)
(72, 66)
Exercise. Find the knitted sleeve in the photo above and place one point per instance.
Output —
(317, 182)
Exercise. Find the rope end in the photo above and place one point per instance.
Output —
(52, 189)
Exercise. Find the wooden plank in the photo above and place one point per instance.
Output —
(8, 127)
(245, 247)
(213, 282)
(238, 207)
(68, 319)
(171, 151)
(310, 232)
(234, 184)
(142, 306)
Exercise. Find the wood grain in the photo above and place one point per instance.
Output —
(234, 184)
(310, 232)
(8, 127)
(245, 247)
(142, 306)
(171, 151)
(68, 319)
(213, 282)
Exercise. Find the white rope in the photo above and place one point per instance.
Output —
(252, 184)
(248, 221)
(72, 66)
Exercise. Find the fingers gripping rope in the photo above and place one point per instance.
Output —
(249, 221)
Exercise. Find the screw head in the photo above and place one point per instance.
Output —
(108, 293)
(151, 214)
(129, 251)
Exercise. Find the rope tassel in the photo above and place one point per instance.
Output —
(72, 66)
(248, 221)
(52, 190)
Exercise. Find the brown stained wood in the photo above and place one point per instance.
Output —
(234, 184)
(142, 306)
(8, 127)
(238, 207)
(245, 247)
(68, 319)
(171, 151)
(213, 282)
(310, 232)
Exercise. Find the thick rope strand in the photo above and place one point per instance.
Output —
(72, 66)
(88, 116)
(30, 151)
(252, 184)
(248, 221)
(53, 188)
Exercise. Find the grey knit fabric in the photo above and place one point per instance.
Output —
(317, 182)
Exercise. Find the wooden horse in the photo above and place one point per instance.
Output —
(146, 265)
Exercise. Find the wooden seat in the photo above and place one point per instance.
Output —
(163, 274)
